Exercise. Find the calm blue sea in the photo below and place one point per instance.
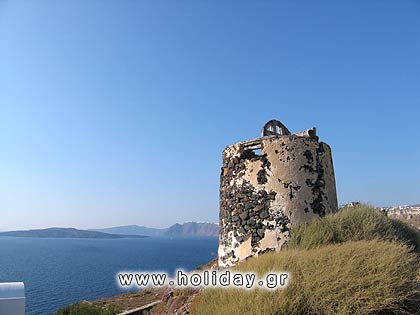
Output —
(58, 272)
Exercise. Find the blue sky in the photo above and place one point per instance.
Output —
(116, 112)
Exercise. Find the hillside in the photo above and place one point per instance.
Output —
(343, 264)
(188, 229)
(193, 229)
(66, 233)
(132, 230)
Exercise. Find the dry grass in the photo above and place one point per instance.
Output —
(352, 278)
(354, 224)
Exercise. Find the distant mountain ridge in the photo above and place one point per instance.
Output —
(67, 233)
(188, 229)
(193, 229)
(131, 230)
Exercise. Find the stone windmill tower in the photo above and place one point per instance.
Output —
(269, 185)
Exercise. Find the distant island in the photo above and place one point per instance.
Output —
(67, 233)
(188, 229)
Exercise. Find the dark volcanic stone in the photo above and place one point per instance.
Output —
(264, 214)
(249, 205)
(261, 177)
(263, 193)
(251, 222)
(244, 215)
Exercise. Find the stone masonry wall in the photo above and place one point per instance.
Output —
(269, 185)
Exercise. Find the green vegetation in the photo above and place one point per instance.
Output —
(88, 308)
(354, 224)
(355, 262)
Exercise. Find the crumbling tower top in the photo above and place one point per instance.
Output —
(274, 127)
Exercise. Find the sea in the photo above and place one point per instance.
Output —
(61, 271)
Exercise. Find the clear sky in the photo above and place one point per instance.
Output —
(117, 112)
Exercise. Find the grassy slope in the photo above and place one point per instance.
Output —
(353, 224)
(353, 262)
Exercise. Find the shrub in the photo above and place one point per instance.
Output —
(352, 224)
(352, 278)
(88, 308)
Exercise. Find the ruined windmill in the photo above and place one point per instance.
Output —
(269, 185)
